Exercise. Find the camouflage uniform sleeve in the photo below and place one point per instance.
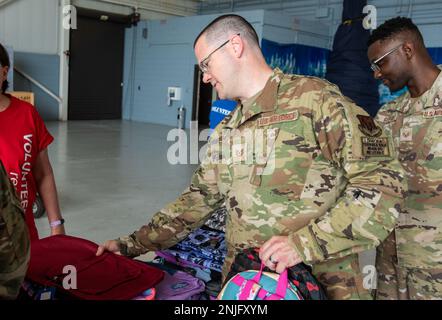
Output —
(14, 240)
(386, 114)
(373, 184)
(174, 222)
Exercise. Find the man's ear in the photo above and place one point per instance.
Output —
(409, 49)
(237, 45)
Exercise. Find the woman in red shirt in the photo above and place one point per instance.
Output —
(23, 150)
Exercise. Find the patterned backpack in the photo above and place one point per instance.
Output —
(299, 275)
(259, 285)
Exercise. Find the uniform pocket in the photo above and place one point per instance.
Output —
(429, 161)
(288, 162)
(342, 279)
(431, 145)
(263, 167)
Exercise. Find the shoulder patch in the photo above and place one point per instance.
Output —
(372, 144)
(368, 127)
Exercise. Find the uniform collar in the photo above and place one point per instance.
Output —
(264, 102)
(430, 98)
(433, 96)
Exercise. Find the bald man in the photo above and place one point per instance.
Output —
(409, 262)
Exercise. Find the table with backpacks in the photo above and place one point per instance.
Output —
(190, 270)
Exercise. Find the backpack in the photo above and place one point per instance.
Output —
(177, 284)
(259, 285)
(299, 275)
(107, 277)
(14, 240)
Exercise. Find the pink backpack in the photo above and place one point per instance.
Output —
(259, 285)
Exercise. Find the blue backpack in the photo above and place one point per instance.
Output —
(259, 285)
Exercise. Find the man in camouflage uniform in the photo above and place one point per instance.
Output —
(315, 183)
(14, 240)
(409, 262)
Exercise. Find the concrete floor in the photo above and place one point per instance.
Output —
(112, 176)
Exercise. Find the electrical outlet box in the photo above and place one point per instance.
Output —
(174, 93)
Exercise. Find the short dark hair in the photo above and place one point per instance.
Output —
(4, 62)
(392, 27)
(229, 23)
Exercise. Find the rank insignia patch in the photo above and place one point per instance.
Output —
(406, 134)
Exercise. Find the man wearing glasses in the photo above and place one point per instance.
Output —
(409, 262)
(327, 187)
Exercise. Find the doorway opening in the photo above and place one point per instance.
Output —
(96, 58)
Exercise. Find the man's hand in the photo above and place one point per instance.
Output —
(109, 245)
(278, 255)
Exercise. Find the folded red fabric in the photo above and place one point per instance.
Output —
(107, 277)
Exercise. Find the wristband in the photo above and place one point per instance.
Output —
(56, 223)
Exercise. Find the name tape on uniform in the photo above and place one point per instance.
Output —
(277, 118)
(433, 112)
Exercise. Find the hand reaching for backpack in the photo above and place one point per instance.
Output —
(109, 245)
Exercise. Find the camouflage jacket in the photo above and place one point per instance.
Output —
(14, 240)
(319, 171)
(416, 127)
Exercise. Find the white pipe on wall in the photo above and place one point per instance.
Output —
(38, 84)
(5, 2)
(63, 48)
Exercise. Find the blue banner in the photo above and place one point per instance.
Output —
(296, 58)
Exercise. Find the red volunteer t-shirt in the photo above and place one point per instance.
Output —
(23, 135)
